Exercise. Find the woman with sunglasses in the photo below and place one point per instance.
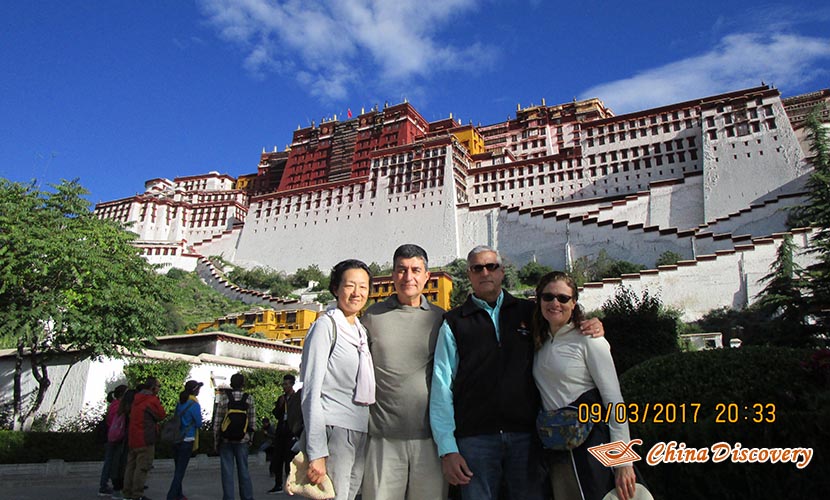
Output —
(570, 369)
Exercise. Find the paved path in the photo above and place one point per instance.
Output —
(200, 483)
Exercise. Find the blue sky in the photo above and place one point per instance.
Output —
(118, 92)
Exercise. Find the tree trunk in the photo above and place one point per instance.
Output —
(17, 409)
(41, 375)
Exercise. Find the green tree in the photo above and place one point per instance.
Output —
(380, 270)
(638, 328)
(586, 269)
(193, 301)
(511, 276)
(782, 302)
(325, 297)
(668, 258)
(461, 288)
(171, 374)
(69, 282)
(302, 276)
(264, 386)
(262, 279)
(531, 272)
(782, 294)
(238, 330)
(817, 214)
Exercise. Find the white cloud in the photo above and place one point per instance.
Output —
(325, 44)
(738, 61)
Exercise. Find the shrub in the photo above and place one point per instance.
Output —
(171, 374)
(585, 269)
(38, 447)
(742, 376)
(264, 386)
(668, 258)
(638, 328)
(531, 272)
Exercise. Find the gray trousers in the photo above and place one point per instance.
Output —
(344, 465)
(403, 469)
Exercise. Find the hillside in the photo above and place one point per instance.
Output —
(194, 301)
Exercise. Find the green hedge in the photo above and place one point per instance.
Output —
(38, 447)
(743, 376)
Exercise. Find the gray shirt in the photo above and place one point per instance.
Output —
(402, 340)
(329, 383)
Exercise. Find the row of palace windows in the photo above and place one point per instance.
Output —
(644, 122)
(160, 251)
(646, 150)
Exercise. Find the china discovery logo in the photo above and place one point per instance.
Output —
(616, 453)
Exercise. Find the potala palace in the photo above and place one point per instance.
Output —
(710, 179)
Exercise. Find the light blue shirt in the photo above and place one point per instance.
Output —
(441, 410)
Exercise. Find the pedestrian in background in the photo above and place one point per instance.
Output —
(113, 398)
(289, 416)
(234, 422)
(145, 414)
(189, 413)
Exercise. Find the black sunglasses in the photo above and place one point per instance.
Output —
(561, 297)
(477, 268)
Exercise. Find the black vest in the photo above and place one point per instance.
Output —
(493, 388)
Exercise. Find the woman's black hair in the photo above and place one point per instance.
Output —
(539, 324)
(340, 268)
(126, 402)
(119, 391)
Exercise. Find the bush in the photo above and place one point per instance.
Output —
(38, 447)
(668, 258)
(780, 376)
(531, 272)
(585, 269)
(264, 386)
(638, 328)
(171, 374)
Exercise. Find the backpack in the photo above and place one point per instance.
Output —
(118, 428)
(235, 424)
(100, 430)
(171, 430)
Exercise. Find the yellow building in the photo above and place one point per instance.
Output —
(288, 326)
(437, 289)
(291, 326)
(470, 138)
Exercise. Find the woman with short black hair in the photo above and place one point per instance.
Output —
(339, 384)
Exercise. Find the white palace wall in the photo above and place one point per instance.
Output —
(743, 166)
(369, 229)
(677, 204)
(730, 278)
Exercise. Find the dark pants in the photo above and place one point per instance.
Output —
(119, 464)
(281, 457)
(106, 468)
(181, 457)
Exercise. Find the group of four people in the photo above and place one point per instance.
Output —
(409, 398)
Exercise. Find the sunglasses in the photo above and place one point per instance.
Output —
(477, 268)
(561, 297)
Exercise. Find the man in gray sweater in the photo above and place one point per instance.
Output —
(402, 460)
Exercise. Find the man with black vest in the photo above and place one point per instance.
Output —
(484, 402)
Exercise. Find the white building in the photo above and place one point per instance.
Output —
(82, 385)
